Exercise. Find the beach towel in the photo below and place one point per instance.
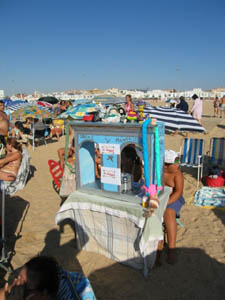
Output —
(21, 178)
(74, 286)
(210, 197)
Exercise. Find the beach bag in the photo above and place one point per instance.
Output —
(214, 181)
(68, 184)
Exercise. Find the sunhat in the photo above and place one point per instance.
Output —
(170, 156)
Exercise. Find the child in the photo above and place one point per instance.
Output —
(20, 132)
(174, 179)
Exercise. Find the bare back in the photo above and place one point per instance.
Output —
(174, 179)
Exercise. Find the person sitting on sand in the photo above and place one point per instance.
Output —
(182, 105)
(70, 155)
(56, 130)
(174, 179)
(9, 166)
(42, 278)
(20, 132)
(39, 279)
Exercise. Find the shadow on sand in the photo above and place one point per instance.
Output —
(220, 215)
(16, 209)
(195, 276)
(65, 253)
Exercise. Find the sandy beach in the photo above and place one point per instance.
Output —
(199, 273)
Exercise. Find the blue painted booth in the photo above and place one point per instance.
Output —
(111, 139)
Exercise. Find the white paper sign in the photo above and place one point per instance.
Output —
(111, 175)
(109, 148)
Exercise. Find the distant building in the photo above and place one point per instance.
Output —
(2, 94)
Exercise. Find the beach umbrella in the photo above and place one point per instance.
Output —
(44, 104)
(49, 99)
(108, 99)
(174, 119)
(171, 101)
(33, 112)
(77, 112)
(16, 105)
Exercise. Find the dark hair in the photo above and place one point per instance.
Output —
(42, 275)
(19, 125)
(13, 142)
(29, 119)
(2, 102)
(17, 292)
(129, 96)
(24, 130)
(194, 96)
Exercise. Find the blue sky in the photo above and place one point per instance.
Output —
(53, 45)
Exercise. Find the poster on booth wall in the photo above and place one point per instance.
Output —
(109, 149)
(111, 175)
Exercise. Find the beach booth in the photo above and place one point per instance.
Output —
(108, 207)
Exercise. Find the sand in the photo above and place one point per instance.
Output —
(199, 273)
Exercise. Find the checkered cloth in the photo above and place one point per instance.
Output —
(116, 229)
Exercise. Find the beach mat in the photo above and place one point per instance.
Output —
(209, 197)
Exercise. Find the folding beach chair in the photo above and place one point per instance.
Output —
(40, 132)
(217, 151)
(192, 155)
(56, 172)
(9, 188)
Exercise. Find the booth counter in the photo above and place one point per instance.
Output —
(115, 228)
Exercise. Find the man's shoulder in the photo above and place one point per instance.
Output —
(178, 173)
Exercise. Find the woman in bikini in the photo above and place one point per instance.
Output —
(129, 106)
(9, 166)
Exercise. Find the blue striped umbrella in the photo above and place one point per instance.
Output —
(174, 119)
(22, 104)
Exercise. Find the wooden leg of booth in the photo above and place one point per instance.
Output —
(159, 253)
(161, 245)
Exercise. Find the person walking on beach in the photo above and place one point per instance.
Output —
(216, 105)
(196, 110)
(222, 107)
(174, 179)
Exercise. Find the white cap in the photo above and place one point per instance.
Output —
(170, 156)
